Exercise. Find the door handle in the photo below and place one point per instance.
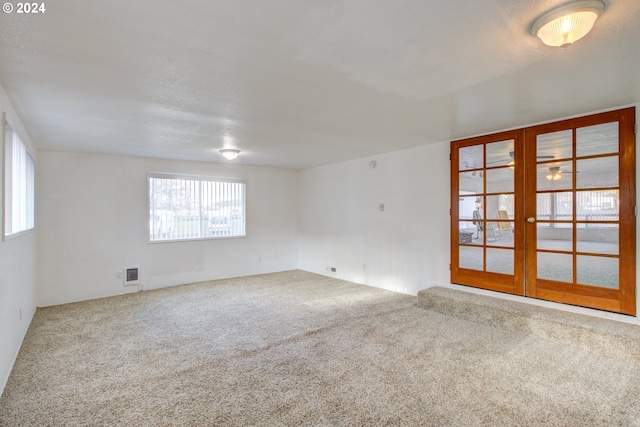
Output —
(531, 220)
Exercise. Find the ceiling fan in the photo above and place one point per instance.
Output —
(512, 161)
(555, 173)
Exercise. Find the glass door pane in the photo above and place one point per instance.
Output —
(554, 242)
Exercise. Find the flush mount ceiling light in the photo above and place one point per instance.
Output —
(568, 23)
(230, 153)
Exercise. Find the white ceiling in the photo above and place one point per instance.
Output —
(301, 83)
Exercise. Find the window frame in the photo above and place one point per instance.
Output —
(199, 178)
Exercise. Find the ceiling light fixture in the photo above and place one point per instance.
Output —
(512, 163)
(566, 24)
(554, 173)
(230, 153)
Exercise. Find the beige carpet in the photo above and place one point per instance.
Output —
(295, 348)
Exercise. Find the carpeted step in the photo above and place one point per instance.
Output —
(608, 337)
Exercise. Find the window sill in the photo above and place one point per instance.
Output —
(18, 234)
(199, 239)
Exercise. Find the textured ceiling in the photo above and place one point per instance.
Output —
(298, 84)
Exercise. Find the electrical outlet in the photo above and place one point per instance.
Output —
(333, 269)
(260, 258)
(381, 207)
(119, 275)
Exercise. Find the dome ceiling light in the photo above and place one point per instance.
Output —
(230, 153)
(568, 23)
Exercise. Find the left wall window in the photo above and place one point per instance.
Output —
(19, 185)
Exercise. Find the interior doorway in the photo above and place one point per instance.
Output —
(549, 211)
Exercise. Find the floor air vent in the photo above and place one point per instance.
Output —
(132, 276)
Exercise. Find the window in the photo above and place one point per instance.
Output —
(183, 207)
(19, 185)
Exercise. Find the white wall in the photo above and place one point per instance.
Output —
(92, 218)
(17, 270)
(406, 247)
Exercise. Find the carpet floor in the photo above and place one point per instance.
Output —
(298, 349)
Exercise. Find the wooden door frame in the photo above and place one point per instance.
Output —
(524, 281)
(513, 284)
(621, 300)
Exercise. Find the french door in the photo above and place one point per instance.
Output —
(549, 211)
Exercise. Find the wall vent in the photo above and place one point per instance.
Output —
(132, 276)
